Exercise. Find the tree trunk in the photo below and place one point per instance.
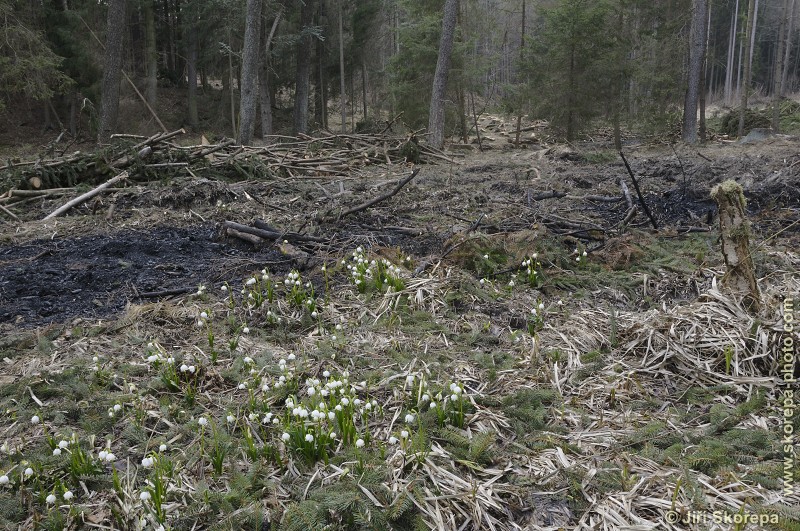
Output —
(263, 79)
(746, 81)
(731, 56)
(150, 53)
(777, 91)
(735, 235)
(191, 68)
(112, 69)
(364, 87)
(301, 87)
(249, 83)
(697, 44)
(788, 46)
(341, 71)
(319, 91)
(436, 115)
(704, 84)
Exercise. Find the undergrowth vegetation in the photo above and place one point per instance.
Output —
(357, 396)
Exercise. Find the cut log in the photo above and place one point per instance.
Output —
(88, 195)
(740, 277)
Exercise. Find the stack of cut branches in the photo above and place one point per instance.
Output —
(147, 158)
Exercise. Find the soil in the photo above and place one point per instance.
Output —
(84, 267)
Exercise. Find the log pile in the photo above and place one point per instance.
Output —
(147, 158)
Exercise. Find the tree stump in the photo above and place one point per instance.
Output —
(734, 231)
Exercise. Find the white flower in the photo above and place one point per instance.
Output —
(433, 405)
(357, 402)
(245, 330)
(28, 472)
(314, 314)
(248, 360)
(144, 496)
(326, 374)
(251, 281)
(147, 462)
(333, 338)
(309, 437)
(57, 452)
(265, 388)
(535, 256)
(560, 302)
(152, 359)
(409, 418)
(68, 495)
(286, 437)
(242, 386)
(102, 455)
(345, 401)
(202, 421)
(63, 444)
(404, 434)
(392, 440)
(203, 315)
(162, 448)
(184, 368)
(454, 397)
(584, 253)
(35, 419)
(332, 435)
(95, 359)
(224, 288)
(410, 379)
(486, 257)
(541, 306)
(338, 407)
(51, 499)
(368, 406)
(110, 457)
(191, 368)
(253, 417)
(117, 408)
(482, 281)
(231, 419)
(4, 480)
(577, 258)
(359, 443)
(291, 357)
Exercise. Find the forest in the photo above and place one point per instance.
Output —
(399, 264)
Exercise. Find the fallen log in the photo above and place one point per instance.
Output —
(88, 195)
(380, 198)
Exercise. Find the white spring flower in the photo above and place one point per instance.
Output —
(57, 452)
(35, 419)
(4, 480)
(482, 281)
(345, 401)
(245, 330)
(68, 495)
(51, 499)
(147, 462)
(410, 380)
(231, 419)
(162, 448)
(202, 421)
(28, 472)
(309, 437)
(144, 496)
(251, 281)
(454, 397)
(577, 258)
(265, 388)
(357, 402)
(359, 443)
(303, 413)
(368, 406)
(326, 374)
(332, 435)
(286, 437)
(203, 315)
(409, 418)
(171, 360)
(248, 360)
(291, 357)
(117, 408)
(242, 386)
(392, 440)
(338, 407)
(404, 434)
(224, 288)
(541, 306)
(102, 455)
(184, 368)
(331, 415)
(191, 369)
(63, 444)
(152, 358)
(314, 314)
(311, 391)
(433, 405)
(584, 254)
(333, 338)
(110, 457)
(253, 417)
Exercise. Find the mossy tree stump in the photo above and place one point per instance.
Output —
(734, 229)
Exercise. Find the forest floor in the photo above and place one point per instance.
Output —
(638, 395)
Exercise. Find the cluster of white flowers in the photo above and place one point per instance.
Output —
(201, 289)
(382, 272)
(292, 279)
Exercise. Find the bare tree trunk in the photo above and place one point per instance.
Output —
(150, 52)
(249, 84)
(319, 97)
(777, 90)
(230, 87)
(191, 69)
(364, 87)
(263, 79)
(697, 44)
(788, 47)
(746, 81)
(436, 115)
(303, 73)
(731, 55)
(703, 83)
(341, 71)
(112, 68)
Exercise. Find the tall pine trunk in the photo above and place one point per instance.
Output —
(697, 44)
(436, 115)
(112, 68)
(341, 71)
(249, 83)
(777, 91)
(303, 73)
(751, 9)
(731, 54)
(191, 69)
(150, 52)
(264, 78)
